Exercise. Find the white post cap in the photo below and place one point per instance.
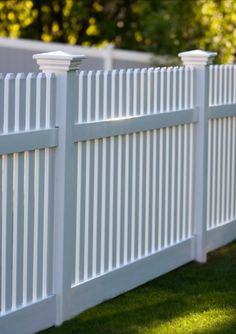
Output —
(197, 58)
(58, 61)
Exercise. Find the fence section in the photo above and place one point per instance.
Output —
(143, 181)
(221, 200)
(126, 197)
(221, 172)
(26, 198)
(127, 184)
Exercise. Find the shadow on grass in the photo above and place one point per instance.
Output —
(197, 298)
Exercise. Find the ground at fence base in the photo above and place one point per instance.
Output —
(196, 298)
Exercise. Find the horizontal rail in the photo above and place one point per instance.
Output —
(221, 111)
(112, 284)
(28, 141)
(221, 235)
(122, 126)
(31, 318)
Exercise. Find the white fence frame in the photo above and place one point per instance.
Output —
(69, 299)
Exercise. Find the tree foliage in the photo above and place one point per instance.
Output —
(160, 26)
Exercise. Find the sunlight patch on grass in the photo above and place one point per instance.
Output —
(194, 299)
(197, 323)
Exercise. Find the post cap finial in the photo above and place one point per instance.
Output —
(58, 61)
(197, 58)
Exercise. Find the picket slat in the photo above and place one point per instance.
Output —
(18, 195)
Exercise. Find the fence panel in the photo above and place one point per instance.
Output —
(134, 197)
(27, 107)
(221, 171)
(221, 207)
(145, 181)
(134, 184)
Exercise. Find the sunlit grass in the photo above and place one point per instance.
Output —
(197, 298)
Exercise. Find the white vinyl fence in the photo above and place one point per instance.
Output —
(28, 135)
(108, 180)
(16, 55)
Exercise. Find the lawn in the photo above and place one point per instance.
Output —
(196, 298)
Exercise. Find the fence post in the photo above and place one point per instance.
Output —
(108, 59)
(64, 66)
(201, 61)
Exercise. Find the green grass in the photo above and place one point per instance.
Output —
(196, 298)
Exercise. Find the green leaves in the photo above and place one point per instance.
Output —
(160, 26)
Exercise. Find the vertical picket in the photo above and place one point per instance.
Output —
(18, 195)
(134, 139)
(103, 208)
(232, 213)
(7, 196)
(111, 211)
(28, 192)
(1, 175)
(126, 198)
(147, 197)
